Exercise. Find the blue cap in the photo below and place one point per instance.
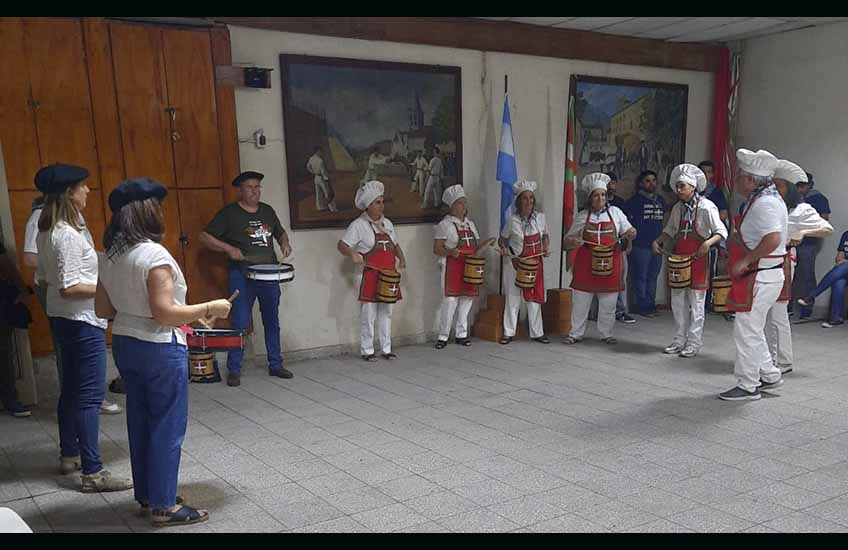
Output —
(136, 189)
(55, 178)
(244, 176)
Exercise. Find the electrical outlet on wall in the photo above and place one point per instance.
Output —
(259, 138)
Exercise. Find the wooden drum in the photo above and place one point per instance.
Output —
(721, 289)
(525, 273)
(388, 287)
(202, 368)
(475, 268)
(602, 261)
(679, 271)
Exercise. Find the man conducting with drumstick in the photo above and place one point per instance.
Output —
(694, 227)
(243, 231)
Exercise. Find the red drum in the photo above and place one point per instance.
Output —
(210, 339)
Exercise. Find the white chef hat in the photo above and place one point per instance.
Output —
(525, 185)
(789, 171)
(452, 194)
(594, 181)
(691, 174)
(368, 193)
(761, 163)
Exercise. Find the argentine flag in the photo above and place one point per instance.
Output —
(507, 173)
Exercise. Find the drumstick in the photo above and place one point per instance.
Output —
(211, 320)
(233, 297)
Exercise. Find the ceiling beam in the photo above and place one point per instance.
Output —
(498, 36)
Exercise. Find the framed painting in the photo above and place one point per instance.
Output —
(349, 121)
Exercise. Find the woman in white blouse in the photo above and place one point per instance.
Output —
(143, 289)
(804, 221)
(68, 262)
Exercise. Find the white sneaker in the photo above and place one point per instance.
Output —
(110, 408)
(785, 368)
(688, 352)
(672, 349)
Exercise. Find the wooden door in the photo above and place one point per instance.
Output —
(17, 121)
(191, 94)
(142, 99)
(57, 67)
(205, 270)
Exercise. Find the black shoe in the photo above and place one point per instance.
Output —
(505, 340)
(463, 341)
(388, 356)
(19, 410)
(626, 319)
(117, 386)
(282, 373)
(738, 394)
(542, 340)
(440, 344)
(369, 358)
(770, 385)
(234, 380)
(831, 324)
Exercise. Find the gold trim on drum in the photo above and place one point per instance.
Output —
(525, 273)
(602, 261)
(679, 271)
(721, 291)
(475, 268)
(388, 286)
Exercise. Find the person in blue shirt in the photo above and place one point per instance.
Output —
(836, 280)
(646, 211)
(805, 269)
(621, 304)
(717, 197)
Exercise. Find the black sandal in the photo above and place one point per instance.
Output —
(505, 340)
(186, 515)
(463, 341)
(388, 356)
(440, 344)
(370, 358)
(145, 506)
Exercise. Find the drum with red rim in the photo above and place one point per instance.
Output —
(210, 339)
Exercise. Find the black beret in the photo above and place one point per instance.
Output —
(137, 189)
(244, 176)
(55, 178)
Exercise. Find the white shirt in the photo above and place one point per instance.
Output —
(446, 229)
(124, 278)
(804, 218)
(436, 166)
(767, 215)
(67, 258)
(360, 235)
(31, 236)
(515, 229)
(707, 220)
(315, 166)
(614, 213)
(421, 164)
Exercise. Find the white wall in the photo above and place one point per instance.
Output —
(319, 309)
(792, 103)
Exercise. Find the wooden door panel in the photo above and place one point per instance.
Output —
(205, 271)
(171, 240)
(141, 93)
(59, 79)
(191, 91)
(17, 121)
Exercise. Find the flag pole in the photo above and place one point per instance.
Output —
(500, 272)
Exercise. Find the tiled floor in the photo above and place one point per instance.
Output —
(524, 438)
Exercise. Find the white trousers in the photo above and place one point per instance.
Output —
(322, 192)
(450, 305)
(581, 303)
(433, 188)
(688, 308)
(514, 298)
(382, 314)
(779, 335)
(418, 182)
(753, 360)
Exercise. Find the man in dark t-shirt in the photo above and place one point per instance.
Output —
(245, 231)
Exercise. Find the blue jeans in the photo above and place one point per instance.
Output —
(268, 293)
(836, 280)
(156, 378)
(83, 349)
(644, 269)
(805, 275)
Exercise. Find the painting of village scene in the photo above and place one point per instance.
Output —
(626, 127)
(350, 121)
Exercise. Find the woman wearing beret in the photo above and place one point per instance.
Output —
(370, 241)
(143, 290)
(68, 262)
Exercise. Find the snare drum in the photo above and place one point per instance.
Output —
(388, 287)
(210, 339)
(275, 273)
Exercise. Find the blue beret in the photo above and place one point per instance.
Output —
(55, 178)
(137, 189)
(244, 176)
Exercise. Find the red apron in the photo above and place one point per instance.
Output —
(533, 246)
(602, 234)
(687, 243)
(741, 296)
(380, 257)
(455, 267)
(786, 291)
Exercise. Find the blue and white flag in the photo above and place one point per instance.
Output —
(507, 173)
